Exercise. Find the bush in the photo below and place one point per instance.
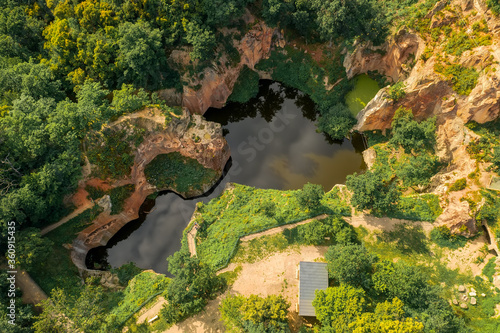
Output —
(494, 5)
(489, 269)
(396, 91)
(410, 134)
(424, 207)
(310, 196)
(459, 185)
(255, 313)
(336, 121)
(462, 78)
(443, 237)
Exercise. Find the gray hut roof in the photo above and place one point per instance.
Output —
(313, 276)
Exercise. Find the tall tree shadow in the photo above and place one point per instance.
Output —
(408, 238)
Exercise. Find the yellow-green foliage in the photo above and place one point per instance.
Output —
(463, 79)
(459, 185)
(139, 289)
(111, 150)
(238, 212)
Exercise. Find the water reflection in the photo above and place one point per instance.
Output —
(274, 144)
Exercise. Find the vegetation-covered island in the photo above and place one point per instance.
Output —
(104, 109)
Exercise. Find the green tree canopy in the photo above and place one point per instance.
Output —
(310, 196)
(337, 307)
(371, 191)
(410, 134)
(141, 55)
(350, 264)
(350, 19)
(389, 317)
(336, 121)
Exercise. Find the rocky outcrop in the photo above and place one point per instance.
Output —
(429, 93)
(191, 136)
(389, 59)
(212, 87)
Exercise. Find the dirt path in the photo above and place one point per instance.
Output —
(32, 293)
(191, 236)
(274, 275)
(153, 311)
(66, 218)
(373, 223)
(207, 321)
(280, 229)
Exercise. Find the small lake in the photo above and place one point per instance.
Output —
(365, 88)
(274, 144)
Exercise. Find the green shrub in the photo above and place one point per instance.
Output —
(182, 174)
(126, 272)
(238, 212)
(489, 269)
(396, 91)
(443, 237)
(310, 196)
(139, 289)
(459, 185)
(111, 151)
(463, 79)
(494, 5)
(418, 208)
(336, 121)
(246, 87)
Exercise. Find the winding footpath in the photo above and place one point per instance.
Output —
(67, 218)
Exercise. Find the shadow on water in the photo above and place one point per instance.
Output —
(274, 144)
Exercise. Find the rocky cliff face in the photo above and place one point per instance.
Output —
(431, 94)
(216, 83)
(191, 136)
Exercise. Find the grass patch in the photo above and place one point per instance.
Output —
(408, 238)
(239, 211)
(141, 288)
(58, 270)
(231, 276)
(423, 207)
(489, 269)
(462, 79)
(182, 174)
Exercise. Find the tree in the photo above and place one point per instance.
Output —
(350, 264)
(410, 134)
(337, 307)
(32, 248)
(336, 121)
(350, 19)
(202, 39)
(387, 318)
(371, 191)
(193, 285)
(417, 170)
(407, 283)
(141, 56)
(63, 313)
(310, 196)
(127, 99)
